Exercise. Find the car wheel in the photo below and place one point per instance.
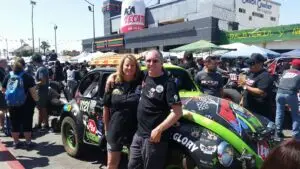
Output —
(70, 137)
(232, 95)
(178, 159)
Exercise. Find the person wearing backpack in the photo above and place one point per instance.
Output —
(20, 96)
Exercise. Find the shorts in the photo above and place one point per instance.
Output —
(22, 117)
(43, 98)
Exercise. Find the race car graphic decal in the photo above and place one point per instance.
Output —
(228, 115)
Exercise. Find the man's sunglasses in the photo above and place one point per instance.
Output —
(152, 60)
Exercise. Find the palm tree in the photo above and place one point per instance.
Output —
(45, 46)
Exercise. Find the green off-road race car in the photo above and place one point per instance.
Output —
(213, 132)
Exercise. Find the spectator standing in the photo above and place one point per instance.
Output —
(71, 80)
(209, 80)
(189, 64)
(53, 56)
(42, 81)
(257, 96)
(159, 94)
(120, 108)
(3, 106)
(22, 115)
(58, 72)
(30, 69)
(288, 89)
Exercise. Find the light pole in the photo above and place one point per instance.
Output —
(55, 28)
(92, 9)
(32, 5)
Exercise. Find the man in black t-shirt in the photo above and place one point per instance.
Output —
(159, 94)
(257, 95)
(209, 80)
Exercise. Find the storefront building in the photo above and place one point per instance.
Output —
(171, 23)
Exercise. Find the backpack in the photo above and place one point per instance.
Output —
(15, 93)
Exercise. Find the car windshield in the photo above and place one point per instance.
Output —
(182, 80)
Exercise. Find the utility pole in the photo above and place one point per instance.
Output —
(6, 50)
(55, 28)
(32, 5)
(92, 9)
(39, 45)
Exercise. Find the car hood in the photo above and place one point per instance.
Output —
(230, 115)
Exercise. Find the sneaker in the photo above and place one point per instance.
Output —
(17, 145)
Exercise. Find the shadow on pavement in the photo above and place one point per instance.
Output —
(49, 149)
(33, 162)
(42, 148)
(98, 156)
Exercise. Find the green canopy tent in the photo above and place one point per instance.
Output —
(199, 46)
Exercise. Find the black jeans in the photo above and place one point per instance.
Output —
(147, 155)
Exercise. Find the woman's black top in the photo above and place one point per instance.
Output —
(122, 101)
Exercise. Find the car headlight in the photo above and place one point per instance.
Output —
(225, 154)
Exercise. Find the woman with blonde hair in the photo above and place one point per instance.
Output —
(21, 115)
(120, 108)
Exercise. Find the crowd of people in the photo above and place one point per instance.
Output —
(258, 86)
(147, 103)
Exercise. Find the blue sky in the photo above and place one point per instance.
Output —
(74, 21)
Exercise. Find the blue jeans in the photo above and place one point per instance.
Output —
(292, 101)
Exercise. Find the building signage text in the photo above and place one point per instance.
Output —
(260, 3)
(265, 34)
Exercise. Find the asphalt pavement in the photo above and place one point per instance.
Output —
(49, 153)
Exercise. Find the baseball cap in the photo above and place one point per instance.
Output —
(37, 58)
(255, 58)
(295, 62)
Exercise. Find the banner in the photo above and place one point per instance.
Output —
(132, 15)
(259, 35)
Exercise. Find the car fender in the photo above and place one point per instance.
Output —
(71, 109)
(198, 142)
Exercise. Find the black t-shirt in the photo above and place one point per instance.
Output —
(256, 103)
(28, 83)
(158, 95)
(122, 101)
(209, 82)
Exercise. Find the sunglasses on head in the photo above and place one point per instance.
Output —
(152, 60)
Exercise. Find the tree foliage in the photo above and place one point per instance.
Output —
(45, 46)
